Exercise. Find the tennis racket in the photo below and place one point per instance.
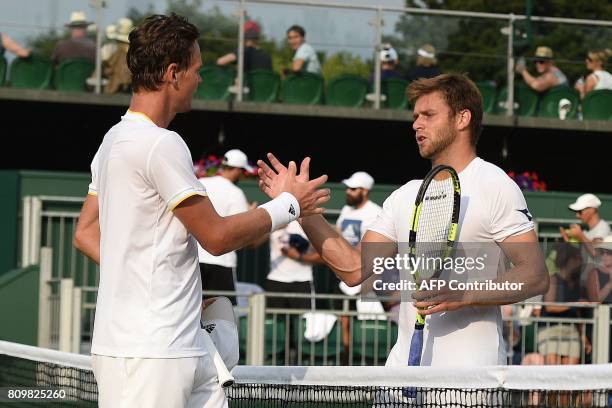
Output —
(433, 230)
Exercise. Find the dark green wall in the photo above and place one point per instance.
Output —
(9, 206)
(19, 305)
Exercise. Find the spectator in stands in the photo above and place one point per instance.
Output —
(305, 58)
(8, 44)
(426, 64)
(78, 45)
(116, 69)
(599, 280)
(550, 76)
(254, 56)
(561, 343)
(219, 272)
(599, 78)
(586, 209)
(389, 60)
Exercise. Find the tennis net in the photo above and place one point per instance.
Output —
(270, 386)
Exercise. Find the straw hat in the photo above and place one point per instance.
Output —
(544, 53)
(123, 29)
(426, 55)
(78, 19)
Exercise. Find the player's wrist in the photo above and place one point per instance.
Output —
(282, 210)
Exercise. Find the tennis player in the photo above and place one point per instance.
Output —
(448, 123)
(141, 219)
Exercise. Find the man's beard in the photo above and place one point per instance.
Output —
(354, 201)
(443, 138)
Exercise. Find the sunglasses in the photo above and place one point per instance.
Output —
(540, 61)
(605, 251)
(589, 59)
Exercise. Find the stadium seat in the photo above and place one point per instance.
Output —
(346, 90)
(263, 85)
(32, 73)
(597, 105)
(304, 88)
(2, 70)
(215, 83)
(71, 74)
(373, 339)
(549, 102)
(488, 90)
(323, 351)
(395, 91)
(525, 101)
(270, 334)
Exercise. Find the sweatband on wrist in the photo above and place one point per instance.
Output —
(283, 209)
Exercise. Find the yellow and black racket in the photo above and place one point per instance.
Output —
(433, 231)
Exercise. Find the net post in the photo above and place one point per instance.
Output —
(76, 320)
(602, 330)
(66, 309)
(44, 292)
(256, 324)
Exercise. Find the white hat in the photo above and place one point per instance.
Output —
(78, 19)
(360, 179)
(605, 244)
(388, 54)
(236, 158)
(124, 27)
(585, 201)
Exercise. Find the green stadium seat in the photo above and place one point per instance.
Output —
(488, 90)
(549, 102)
(525, 101)
(324, 351)
(597, 105)
(263, 85)
(2, 70)
(71, 74)
(395, 91)
(303, 88)
(373, 339)
(215, 83)
(31, 73)
(346, 90)
(270, 334)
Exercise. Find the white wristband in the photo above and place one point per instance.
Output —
(283, 209)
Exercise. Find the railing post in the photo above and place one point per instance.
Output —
(44, 292)
(378, 23)
(26, 220)
(602, 334)
(256, 329)
(240, 78)
(66, 312)
(510, 67)
(76, 320)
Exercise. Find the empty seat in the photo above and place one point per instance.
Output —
(304, 88)
(71, 74)
(549, 102)
(394, 90)
(215, 83)
(346, 90)
(488, 90)
(525, 101)
(32, 72)
(597, 105)
(263, 85)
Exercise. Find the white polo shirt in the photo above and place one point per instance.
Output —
(150, 290)
(354, 222)
(228, 199)
(283, 268)
(492, 209)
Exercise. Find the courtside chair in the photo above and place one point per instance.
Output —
(488, 90)
(597, 105)
(215, 83)
(31, 73)
(2, 70)
(394, 90)
(303, 88)
(71, 74)
(549, 102)
(346, 90)
(525, 101)
(263, 85)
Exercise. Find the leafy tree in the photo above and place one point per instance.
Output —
(344, 63)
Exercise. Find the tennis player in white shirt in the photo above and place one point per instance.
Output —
(142, 220)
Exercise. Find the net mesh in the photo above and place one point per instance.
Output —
(512, 386)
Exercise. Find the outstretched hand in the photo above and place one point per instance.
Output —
(280, 178)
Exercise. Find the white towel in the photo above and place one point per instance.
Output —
(370, 310)
(318, 325)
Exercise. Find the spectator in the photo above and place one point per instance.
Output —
(305, 58)
(586, 209)
(254, 56)
(599, 280)
(389, 60)
(426, 64)
(78, 45)
(550, 76)
(8, 44)
(116, 69)
(598, 78)
(561, 343)
(218, 272)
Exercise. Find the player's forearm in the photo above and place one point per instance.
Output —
(335, 251)
(237, 231)
(88, 242)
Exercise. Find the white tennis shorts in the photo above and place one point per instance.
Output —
(189, 382)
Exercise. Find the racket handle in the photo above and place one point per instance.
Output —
(414, 356)
(226, 379)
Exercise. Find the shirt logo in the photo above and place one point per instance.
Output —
(526, 212)
(291, 210)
